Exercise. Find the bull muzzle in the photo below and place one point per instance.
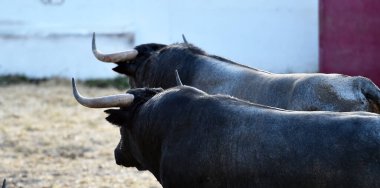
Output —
(119, 100)
(113, 57)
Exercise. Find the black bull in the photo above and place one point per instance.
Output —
(188, 138)
(154, 66)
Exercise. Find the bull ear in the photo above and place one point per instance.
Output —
(117, 117)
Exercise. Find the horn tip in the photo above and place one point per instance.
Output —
(93, 41)
(73, 84)
(178, 79)
(184, 39)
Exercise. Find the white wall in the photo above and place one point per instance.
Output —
(49, 40)
(278, 36)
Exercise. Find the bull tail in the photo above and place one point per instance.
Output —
(371, 92)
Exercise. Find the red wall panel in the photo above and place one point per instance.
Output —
(350, 37)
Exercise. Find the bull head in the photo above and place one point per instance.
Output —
(125, 152)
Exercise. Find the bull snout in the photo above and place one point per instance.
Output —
(119, 158)
(124, 158)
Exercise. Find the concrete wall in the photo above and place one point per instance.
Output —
(278, 36)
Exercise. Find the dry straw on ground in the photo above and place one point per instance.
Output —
(48, 140)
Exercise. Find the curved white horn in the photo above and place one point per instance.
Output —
(120, 100)
(114, 57)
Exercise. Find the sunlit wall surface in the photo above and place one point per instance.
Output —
(53, 37)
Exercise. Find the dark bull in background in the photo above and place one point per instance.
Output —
(153, 65)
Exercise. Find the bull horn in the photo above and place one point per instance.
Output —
(120, 100)
(178, 79)
(114, 57)
(184, 39)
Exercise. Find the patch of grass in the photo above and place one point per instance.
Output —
(118, 82)
(48, 140)
(19, 79)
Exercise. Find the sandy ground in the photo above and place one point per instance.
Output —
(48, 140)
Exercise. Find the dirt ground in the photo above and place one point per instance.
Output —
(48, 140)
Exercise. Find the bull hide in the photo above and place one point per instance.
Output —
(188, 138)
(155, 64)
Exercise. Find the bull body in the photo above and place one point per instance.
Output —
(155, 65)
(188, 138)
